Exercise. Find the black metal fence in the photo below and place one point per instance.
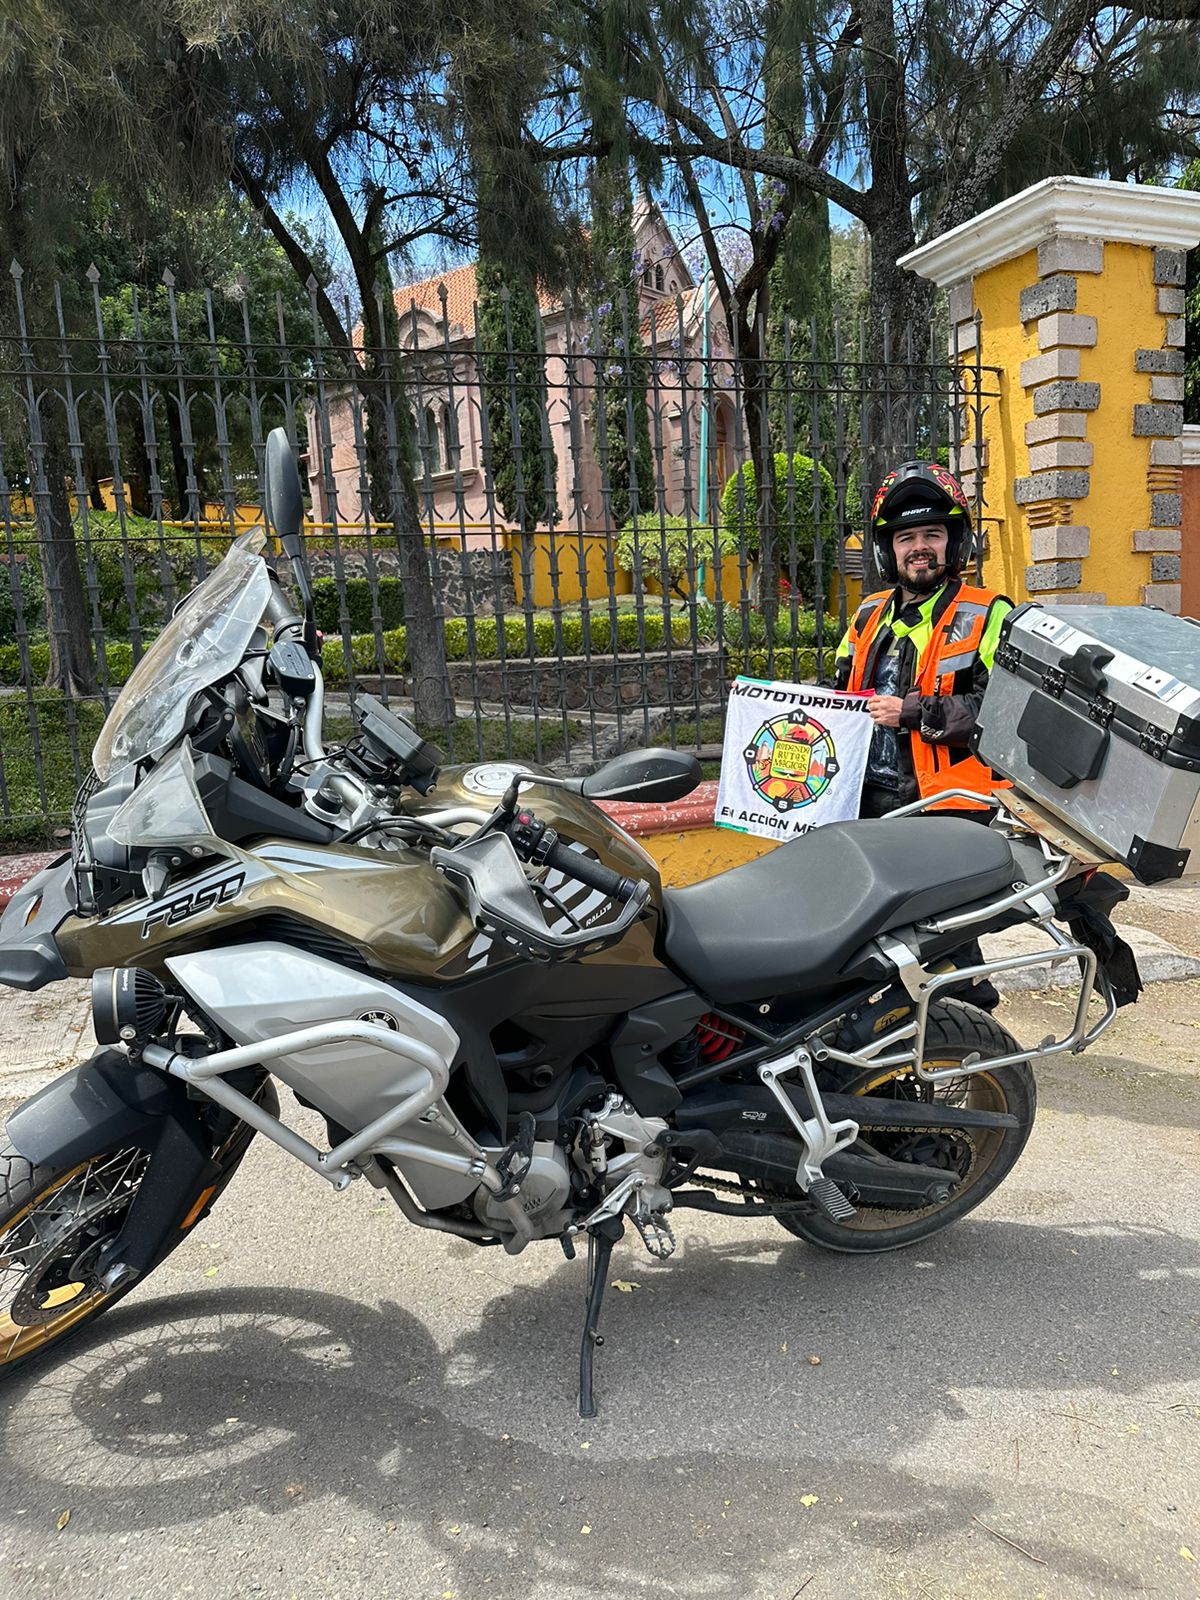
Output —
(546, 554)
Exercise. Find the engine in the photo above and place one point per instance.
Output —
(612, 1151)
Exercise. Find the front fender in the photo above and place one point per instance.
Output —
(109, 1103)
(106, 1101)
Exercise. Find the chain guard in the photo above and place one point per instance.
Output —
(771, 1202)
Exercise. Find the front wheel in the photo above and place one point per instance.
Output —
(53, 1226)
(56, 1221)
(980, 1159)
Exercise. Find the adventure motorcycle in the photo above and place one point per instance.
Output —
(478, 980)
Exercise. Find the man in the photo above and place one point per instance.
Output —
(923, 649)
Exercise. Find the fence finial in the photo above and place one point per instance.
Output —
(168, 278)
(93, 273)
(16, 270)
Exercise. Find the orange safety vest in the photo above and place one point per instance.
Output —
(952, 647)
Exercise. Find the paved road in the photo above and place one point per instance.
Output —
(311, 1399)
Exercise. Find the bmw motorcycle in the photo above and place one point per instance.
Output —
(479, 982)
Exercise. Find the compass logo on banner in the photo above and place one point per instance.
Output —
(791, 761)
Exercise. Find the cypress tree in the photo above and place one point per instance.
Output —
(513, 375)
(622, 371)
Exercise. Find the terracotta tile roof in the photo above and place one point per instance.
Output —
(460, 298)
(663, 315)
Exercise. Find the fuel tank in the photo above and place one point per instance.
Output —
(392, 911)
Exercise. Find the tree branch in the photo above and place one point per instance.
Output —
(301, 262)
(965, 195)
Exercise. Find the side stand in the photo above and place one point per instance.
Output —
(601, 1240)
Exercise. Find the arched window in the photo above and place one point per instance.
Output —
(647, 276)
(431, 443)
(448, 439)
(658, 278)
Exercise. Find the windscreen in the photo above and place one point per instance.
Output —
(204, 641)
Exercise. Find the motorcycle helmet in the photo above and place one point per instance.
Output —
(920, 492)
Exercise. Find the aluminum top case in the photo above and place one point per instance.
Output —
(1093, 712)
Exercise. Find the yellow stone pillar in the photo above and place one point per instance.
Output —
(1073, 289)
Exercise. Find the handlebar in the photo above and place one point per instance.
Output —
(279, 610)
(536, 843)
(574, 864)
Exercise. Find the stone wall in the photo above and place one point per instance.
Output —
(576, 683)
(476, 581)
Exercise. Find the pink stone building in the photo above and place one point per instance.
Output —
(438, 329)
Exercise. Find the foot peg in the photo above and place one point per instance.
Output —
(513, 1163)
(830, 1201)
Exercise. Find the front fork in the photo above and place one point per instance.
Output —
(108, 1102)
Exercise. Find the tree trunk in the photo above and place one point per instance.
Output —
(756, 402)
(181, 506)
(391, 472)
(72, 668)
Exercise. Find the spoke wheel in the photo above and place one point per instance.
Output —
(980, 1159)
(53, 1229)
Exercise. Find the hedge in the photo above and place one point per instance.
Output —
(788, 666)
(328, 604)
(750, 627)
(550, 637)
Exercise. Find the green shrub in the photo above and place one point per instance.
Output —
(787, 666)
(20, 595)
(795, 524)
(118, 658)
(750, 628)
(671, 550)
(328, 603)
(549, 639)
(28, 800)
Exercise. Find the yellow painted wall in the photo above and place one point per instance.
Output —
(1122, 299)
(1005, 345)
(564, 556)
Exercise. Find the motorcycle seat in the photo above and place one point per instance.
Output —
(793, 918)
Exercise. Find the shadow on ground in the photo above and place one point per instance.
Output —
(176, 1410)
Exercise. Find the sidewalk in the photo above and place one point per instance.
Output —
(41, 1034)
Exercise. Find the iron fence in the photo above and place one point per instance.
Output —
(544, 553)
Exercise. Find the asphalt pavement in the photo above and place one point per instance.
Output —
(312, 1398)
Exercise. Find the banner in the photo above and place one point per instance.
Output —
(793, 759)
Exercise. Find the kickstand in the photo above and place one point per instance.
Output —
(600, 1248)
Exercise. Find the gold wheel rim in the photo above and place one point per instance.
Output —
(18, 1339)
(983, 1086)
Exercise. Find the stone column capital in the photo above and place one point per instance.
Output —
(1079, 212)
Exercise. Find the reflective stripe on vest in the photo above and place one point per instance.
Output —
(953, 647)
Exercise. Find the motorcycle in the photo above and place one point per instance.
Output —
(479, 982)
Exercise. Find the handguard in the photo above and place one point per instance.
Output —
(511, 908)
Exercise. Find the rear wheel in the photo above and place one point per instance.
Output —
(980, 1159)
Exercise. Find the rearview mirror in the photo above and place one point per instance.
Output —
(644, 775)
(284, 500)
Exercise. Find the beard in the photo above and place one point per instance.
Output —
(923, 579)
